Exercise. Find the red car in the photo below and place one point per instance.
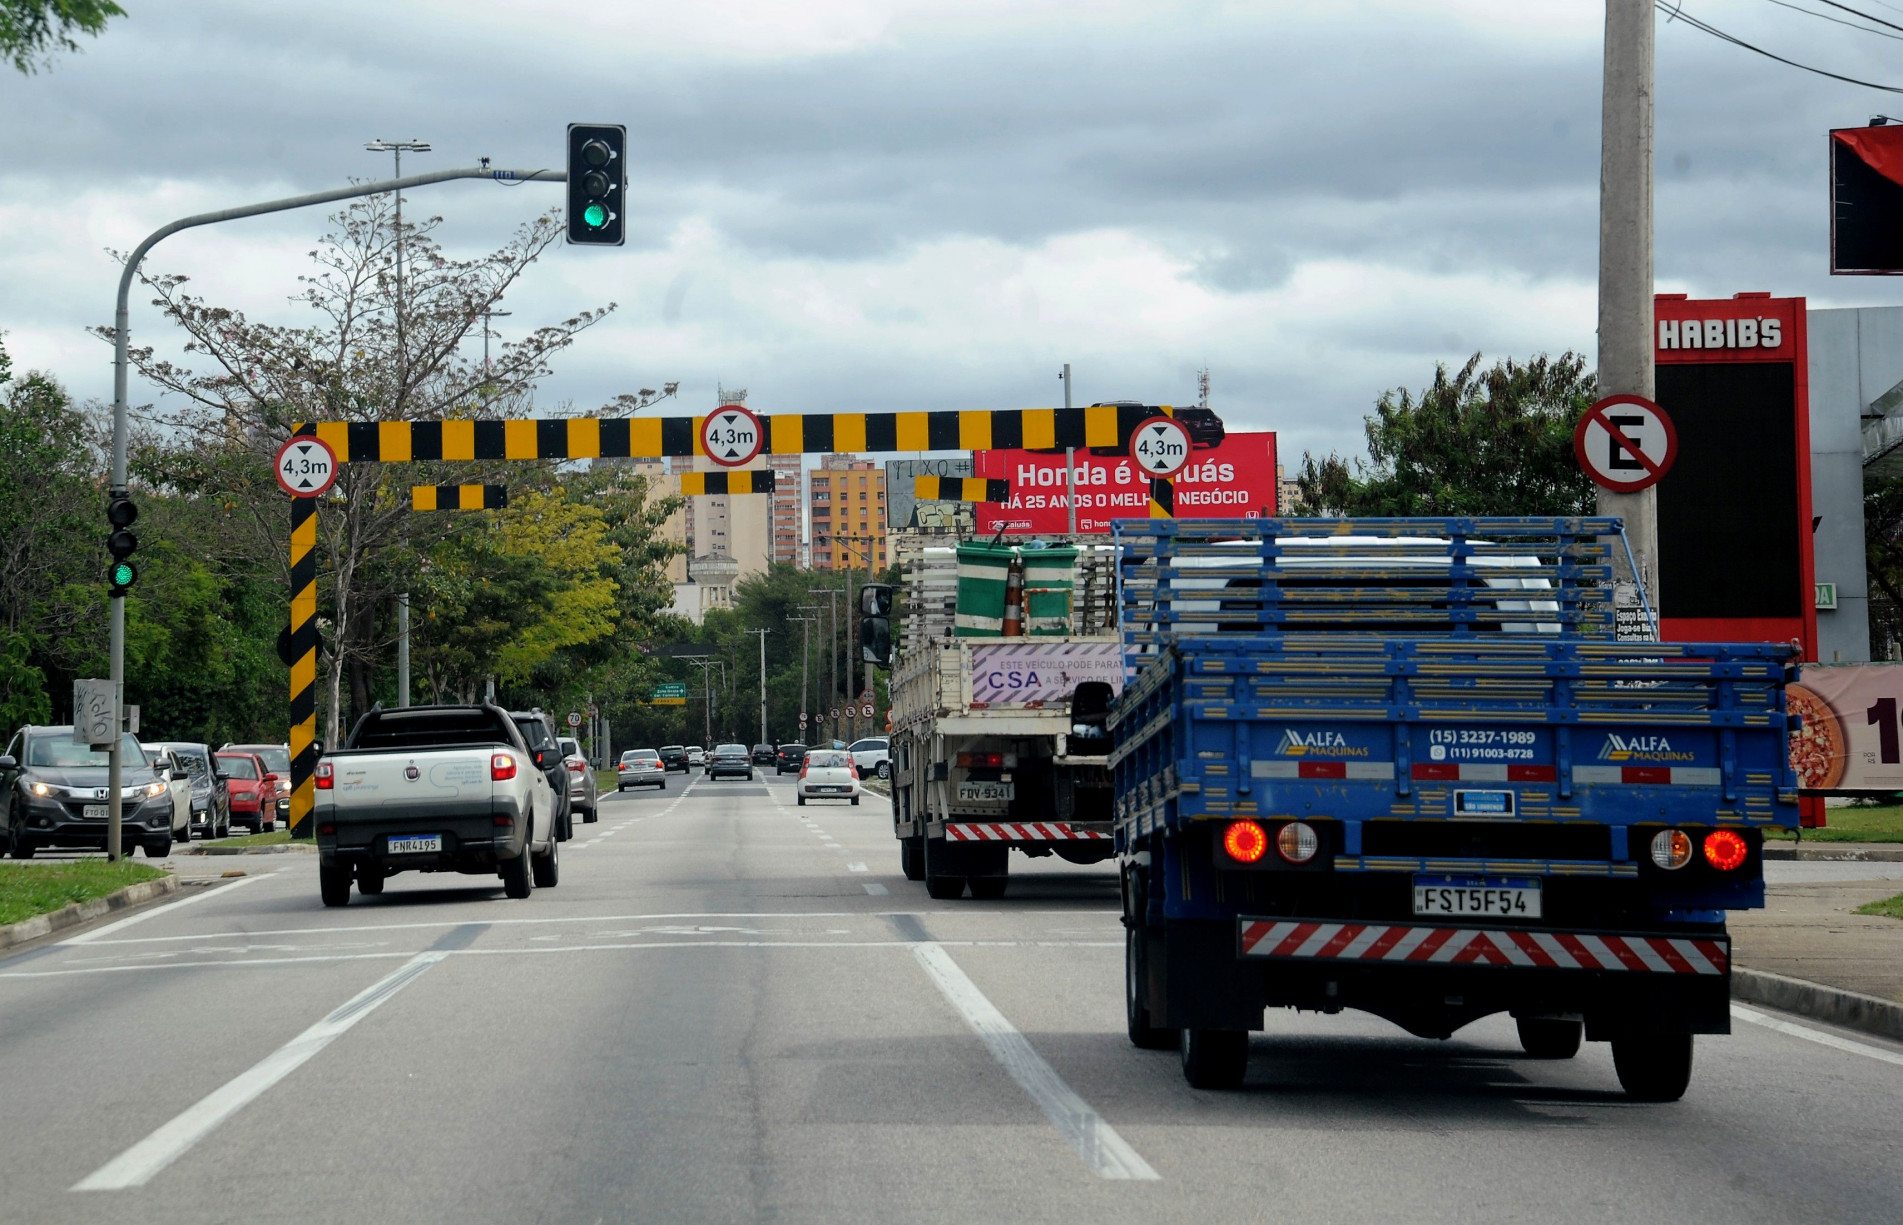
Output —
(253, 791)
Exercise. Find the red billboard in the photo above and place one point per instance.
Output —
(1235, 479)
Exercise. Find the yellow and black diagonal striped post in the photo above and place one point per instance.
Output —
(703, 484)
(303, 741)
(459, 497)
(1163, 499)
(960, 489)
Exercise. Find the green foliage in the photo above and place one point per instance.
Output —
(23, 696)
(1493, 442)
(28, 890)
(31, 30)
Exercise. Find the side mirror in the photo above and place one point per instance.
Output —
(541, 759)
(875, 600)
(179, 776)
(221, 776)
(270, 780)
(875, 641)
(9, 762)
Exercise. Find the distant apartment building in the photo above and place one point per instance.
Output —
(846, 507)
(786, 525)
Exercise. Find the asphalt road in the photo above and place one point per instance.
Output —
(733, 1009)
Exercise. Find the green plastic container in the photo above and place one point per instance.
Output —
(1050, 581)
(982, 572)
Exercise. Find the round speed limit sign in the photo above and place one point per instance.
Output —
(731, 435)
(306, 467)
(1160, 446)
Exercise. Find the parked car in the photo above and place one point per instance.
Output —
(539, 734)
(827, 775)
(696, 755)
(730, 759)
(640, 768)
(211, 801)
(765, 755)
(252, 788)
(791, 757)
(674, 757)
(178, 788)
(873, 755)
(583, 791)
(277, 759)
(435, 789)
(53, 794)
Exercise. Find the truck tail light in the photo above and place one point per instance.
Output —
(982, 760)
(1725, 850)
(1297, 842)
(501, 766)
(325, 779)
(1245, 841)
(1671, 849)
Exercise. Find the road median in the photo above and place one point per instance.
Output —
(73, 913)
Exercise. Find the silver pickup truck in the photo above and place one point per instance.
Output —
(434, 789)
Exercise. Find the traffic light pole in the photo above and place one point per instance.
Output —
(121, 429)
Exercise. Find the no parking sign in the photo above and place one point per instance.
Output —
(1625, 443)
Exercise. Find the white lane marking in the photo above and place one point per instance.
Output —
(1107, 1154)
(1821, 1037)
(573, 948)
(876, 889)
(156, 911)
(136, 1166)
(855, 867)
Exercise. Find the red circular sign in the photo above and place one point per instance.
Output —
(731, 435)
(1160, 447)
(306, 467)
(1625, 443)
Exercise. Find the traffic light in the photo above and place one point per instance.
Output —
(121, 514)
(875, 624)
(597, 181)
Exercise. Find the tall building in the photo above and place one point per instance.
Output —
(846, 502)
(787, 515)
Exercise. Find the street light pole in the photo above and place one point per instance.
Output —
(762, 633)
(1070, 461)
(302, 762)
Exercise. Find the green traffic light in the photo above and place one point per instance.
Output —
(122, 573)
(596, 215)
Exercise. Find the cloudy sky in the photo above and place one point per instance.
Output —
(895, 204)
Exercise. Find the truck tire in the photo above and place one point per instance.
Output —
(1136, 1008)
(548, 868)
(912, 857)
(1215, 1058)
(1550, 1037)
(516, 879)
(988, 888)
(1653, 1067)
(938, 886)
(370, 880)
(333, 882)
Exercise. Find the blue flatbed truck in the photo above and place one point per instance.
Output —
(1406, 766)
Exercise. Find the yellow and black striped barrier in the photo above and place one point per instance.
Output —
(395, 442)
(701, 484)
(303, 662)
(960, 489)
(459, 497)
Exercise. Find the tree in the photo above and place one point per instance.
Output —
(31, 30)
(1498, 442)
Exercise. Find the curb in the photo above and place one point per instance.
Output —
(75, 913)
(276, 848)
(1836, 852)
(1839, 1007)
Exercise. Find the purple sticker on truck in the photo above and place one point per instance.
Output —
(1020, 673)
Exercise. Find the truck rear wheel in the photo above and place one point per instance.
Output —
(1215, 1058)
(516, 881)
(1550, 1037)
(1136, 985)
(333, 882)
(1653, 1067)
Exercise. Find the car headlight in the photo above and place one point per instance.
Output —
(41, 789)
(155, 789)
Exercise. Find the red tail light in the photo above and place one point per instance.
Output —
(324, 780)
(1725, 850)
(327, 829)
(966, 761)
(503, 822)
(501, 766)
(1245, 841)
(853, 770)
(576, 767)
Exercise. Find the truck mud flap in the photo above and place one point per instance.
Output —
(1193, 980)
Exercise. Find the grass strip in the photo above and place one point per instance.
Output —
(1889, 907)
(1854, 823)
(270, 839)
(27, 890)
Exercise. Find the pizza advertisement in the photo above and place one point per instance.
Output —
(1851, 738)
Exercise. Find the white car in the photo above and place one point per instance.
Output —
(827, 775)
(178, 784)
(583, 790)
(696, 755)
(640, 768)
(873, 755)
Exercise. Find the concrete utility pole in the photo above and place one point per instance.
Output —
(763, 634)
(1070, 461)
(832, 670)
(1625, 255)
(403, 648)
(806, 650)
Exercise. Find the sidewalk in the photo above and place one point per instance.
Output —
(1808, 932)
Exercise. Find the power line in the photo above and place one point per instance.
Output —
(1860, 13)
(1679, 14)
(1798, 8)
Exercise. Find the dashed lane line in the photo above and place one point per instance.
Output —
(876, 889)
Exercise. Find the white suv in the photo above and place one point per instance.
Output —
(873, 755)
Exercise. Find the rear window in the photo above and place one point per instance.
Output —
(643, 755)
(418, 728)
(673, 748)
(731, 748)
(791, 749)
(238, 767)
(535, 732)
(827, 759)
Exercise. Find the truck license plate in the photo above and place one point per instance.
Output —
(93, 812)
(414, 844)
(987, 791)
(1493, 897)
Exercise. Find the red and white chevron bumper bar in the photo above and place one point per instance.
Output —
(1406, 944)
(1020, 831)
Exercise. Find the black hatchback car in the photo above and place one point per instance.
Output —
(765, 755)
(791, 758)
(674, 757)
(53, 793)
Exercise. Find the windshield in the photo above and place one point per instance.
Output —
(59, 751)
(826, 760)
(238, 767)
